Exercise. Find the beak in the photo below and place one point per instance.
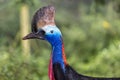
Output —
(39, 35)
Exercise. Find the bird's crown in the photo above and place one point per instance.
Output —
(44, 16)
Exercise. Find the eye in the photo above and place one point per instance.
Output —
(51, 31)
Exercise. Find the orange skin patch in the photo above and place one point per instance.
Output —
(63, 55)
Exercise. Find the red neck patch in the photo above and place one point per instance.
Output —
(63, 55)
(50, 72)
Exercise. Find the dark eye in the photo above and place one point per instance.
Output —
(51, 31)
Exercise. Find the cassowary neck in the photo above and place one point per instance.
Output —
(57, 56)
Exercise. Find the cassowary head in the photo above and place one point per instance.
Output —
(43, 26)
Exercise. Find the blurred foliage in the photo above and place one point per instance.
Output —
(91, 35)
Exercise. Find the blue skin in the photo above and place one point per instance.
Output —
(54, 37)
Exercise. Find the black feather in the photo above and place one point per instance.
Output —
(71, 74)
(58, 72)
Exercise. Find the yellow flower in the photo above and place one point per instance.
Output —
(106, 24)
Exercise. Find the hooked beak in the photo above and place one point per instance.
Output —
(39, 35)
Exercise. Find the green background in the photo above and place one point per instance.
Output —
(91, 32)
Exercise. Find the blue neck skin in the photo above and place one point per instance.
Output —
(55, 39)
(57, 53)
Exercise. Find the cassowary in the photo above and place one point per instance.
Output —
(44, 28)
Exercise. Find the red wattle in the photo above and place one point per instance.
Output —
(50, 72)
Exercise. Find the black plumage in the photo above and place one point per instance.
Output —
(71, 74)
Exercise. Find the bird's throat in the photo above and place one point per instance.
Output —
(57, 56)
